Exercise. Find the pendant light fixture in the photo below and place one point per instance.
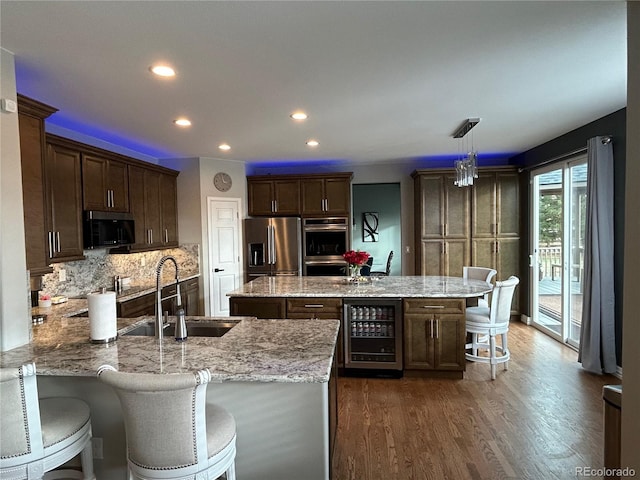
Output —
(467, 164)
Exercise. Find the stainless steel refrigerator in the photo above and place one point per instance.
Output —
(273, 246)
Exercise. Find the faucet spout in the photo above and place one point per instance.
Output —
(160, 324)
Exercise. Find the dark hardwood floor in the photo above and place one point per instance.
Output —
(538, 420)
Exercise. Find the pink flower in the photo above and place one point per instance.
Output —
(45, 297)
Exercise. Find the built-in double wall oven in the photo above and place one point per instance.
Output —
(325, 240)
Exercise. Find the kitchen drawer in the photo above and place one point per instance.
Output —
(433, 306)
(313, 307)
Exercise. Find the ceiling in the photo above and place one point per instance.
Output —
(380, 81)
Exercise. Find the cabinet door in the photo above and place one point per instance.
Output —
(440, 257)
(508, 204)
(496, 205)
(260, 194)
(144, 305)
(169, 210)
(118, 183)
(258, 307)
(431, 205)
(337, 196)
(190, 291)
(312, 196)
(456, 213)
(152, 208)
(31, 160)
(286, 196)
(449, 336)
(64, 203)
(104, 184)
(418, 342)
(137, 200)
(484, 223)
(95, 193)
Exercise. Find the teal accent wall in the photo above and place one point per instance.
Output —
(383, 198)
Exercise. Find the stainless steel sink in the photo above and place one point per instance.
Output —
(206, 328)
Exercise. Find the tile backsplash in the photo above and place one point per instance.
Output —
(100, 267)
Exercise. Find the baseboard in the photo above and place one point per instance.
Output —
(618, 373)
(525, 319)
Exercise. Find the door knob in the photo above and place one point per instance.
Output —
(218, 270)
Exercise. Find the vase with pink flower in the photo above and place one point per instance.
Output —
(356, 259)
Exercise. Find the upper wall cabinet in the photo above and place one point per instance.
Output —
(153, 204)
(31, 116)
(105, 184)
(326, 195)
(312, 195)
(273, 196)
(63, 200)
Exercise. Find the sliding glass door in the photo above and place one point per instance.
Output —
(557, 259)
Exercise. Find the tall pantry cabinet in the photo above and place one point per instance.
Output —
(477, 225)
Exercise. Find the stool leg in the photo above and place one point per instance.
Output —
(231, 472)
(86, 459)
(492, 355)
(505, 349)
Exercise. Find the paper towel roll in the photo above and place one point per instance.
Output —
(102, 317)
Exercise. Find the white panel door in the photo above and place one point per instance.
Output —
(224, 253)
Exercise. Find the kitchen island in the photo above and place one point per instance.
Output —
(275, 378)
(431, 329)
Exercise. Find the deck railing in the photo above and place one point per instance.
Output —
(550, 262)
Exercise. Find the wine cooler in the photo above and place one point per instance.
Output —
(373, 333)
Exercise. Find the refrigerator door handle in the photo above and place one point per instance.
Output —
(273, 245)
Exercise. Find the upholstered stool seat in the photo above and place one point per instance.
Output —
(39, 435)
(172, 432)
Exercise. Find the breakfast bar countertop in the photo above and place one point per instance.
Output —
(252, 351)
(384, 287)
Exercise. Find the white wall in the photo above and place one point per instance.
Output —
(195, 186)
(631, 318)
(15, 314)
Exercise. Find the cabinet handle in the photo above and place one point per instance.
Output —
(166, 235)
(446, 229)
(50, 238)
(314, 305)
(437, 329)
(326, 204)
(272, 207)
(113, 203)
(275, 206)
(58, 241)
(431, 327)
(497, 247)
(433, 306)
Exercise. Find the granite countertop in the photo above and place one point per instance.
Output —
(386, 287)
(252, 351)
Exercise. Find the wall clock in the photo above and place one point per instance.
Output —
(222, 181)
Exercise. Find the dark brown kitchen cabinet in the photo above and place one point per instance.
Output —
(105, 184)
(268, 307)
(273, 196)
(146, 304)
(434, 335)
(169, 210)
(63, 200)
(324, 195)
(152, 198)
(136, 307)
(318, 307)
(31, 116)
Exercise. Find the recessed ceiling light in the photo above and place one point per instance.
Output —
(224, 146)
(163, 70)
(298, 115)
(183, 122)
(312, 143)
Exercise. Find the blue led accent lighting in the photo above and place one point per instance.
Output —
(116, 139)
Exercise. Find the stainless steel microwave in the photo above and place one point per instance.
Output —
(108, 229)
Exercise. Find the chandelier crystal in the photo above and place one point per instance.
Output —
(467, 167)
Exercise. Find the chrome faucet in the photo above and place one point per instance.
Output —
(160, 324)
